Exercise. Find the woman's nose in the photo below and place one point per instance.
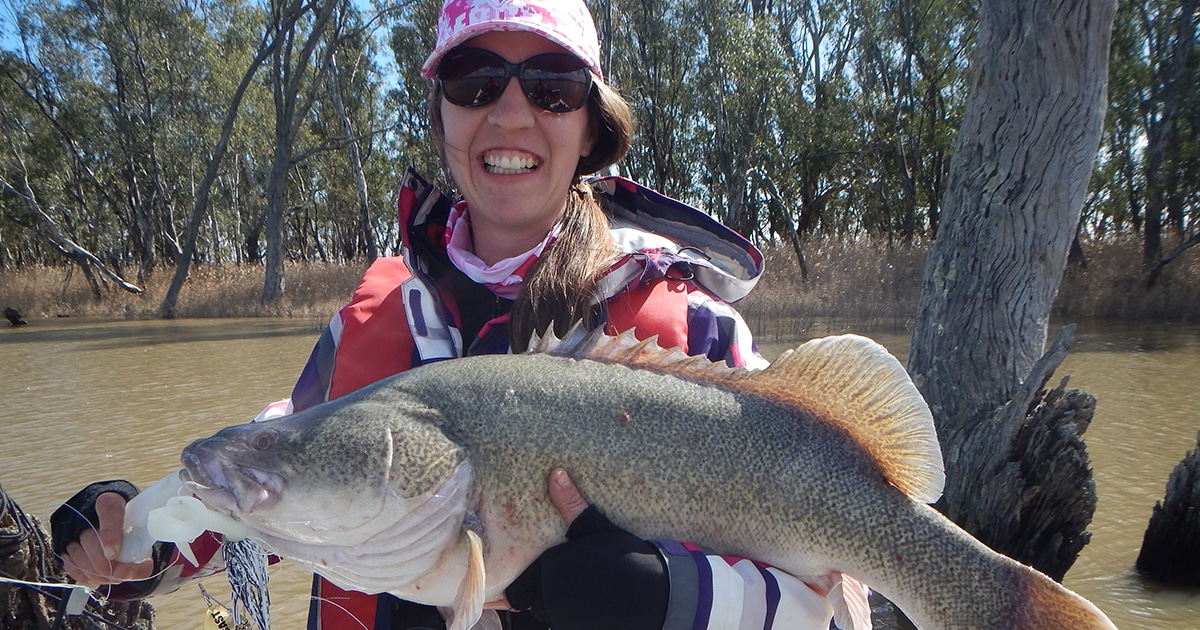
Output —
(512, 109)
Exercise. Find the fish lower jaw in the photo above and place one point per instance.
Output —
(236, 504)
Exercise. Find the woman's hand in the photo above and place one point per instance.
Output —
(602, 577)
(565, 496)
(91, 559)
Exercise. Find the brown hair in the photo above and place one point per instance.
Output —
(560, 289)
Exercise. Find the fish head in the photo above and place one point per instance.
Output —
(338, 471)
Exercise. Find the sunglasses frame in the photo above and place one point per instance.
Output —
(518, 70)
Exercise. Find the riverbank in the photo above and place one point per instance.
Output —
(863, 281)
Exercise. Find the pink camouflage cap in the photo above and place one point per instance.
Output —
(567, 23)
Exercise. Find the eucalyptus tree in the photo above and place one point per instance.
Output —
(297, 79)
(815, 125)
(1018, 177)
(338, 81)
(412, 34)
(125, 87)
(735, 107)
(31, 173)
(280, 22)
(1147, 175)
(910, 64)
(655, 52)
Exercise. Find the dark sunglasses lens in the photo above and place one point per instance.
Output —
(556, 82)
(472, 77)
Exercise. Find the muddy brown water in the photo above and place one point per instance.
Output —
(89, 400)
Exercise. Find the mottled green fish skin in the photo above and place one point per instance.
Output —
(739, 472)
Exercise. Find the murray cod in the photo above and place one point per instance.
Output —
(431, 485)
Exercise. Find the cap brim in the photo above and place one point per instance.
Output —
(429, 68)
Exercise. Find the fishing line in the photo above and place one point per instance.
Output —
(74, 604)
(339, 607)
(76, 601)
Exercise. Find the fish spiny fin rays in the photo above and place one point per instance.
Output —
(854, 382)
(468, 606)
(626, 349)
(851, 609)
(847, 380)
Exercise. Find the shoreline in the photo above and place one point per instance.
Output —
(856, 280)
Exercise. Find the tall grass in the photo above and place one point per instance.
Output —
(1112, 286)
(865, 282)
(312, 290)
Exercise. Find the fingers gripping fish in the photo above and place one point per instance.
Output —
(430, 485)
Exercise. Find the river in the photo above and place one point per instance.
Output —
(84, 401)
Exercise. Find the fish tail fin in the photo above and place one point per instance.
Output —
(1048, 604)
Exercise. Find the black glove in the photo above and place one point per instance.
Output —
(78, 514)
(603, 577)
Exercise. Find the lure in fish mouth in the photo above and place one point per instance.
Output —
(226, 485)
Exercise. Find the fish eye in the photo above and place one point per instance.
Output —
(263, 441)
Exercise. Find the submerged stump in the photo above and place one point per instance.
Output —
(26, 556)
(1171, 547)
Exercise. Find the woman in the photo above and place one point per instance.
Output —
(522, 114)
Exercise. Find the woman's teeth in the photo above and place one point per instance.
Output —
(508, 164)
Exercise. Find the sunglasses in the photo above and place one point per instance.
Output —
(555, 82)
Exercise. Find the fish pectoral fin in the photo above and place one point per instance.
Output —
(468, 605)
(489, 621)
(851, 610)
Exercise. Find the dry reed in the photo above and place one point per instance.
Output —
(311, 290)
(864, 282)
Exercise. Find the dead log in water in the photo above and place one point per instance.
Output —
(26, 556)
(1171, 547)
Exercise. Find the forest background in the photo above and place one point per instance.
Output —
(253, 149)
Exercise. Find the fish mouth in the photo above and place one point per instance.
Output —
(226, 485)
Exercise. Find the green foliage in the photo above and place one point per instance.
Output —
(787, 119)
(1145, 178)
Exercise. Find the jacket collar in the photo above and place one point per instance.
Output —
(660, 237)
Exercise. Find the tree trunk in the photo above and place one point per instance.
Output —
(1162, 133)
(371, 248)
(290, 79)
(1018, 177)
(44, 226)
(273, 282)
(183, 262)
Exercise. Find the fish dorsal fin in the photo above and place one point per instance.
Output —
(856, 383)
(626, 349)
(849, 381)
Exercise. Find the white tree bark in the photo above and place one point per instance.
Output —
(1017, 182)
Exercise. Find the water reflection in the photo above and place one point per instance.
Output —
(91, 400)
